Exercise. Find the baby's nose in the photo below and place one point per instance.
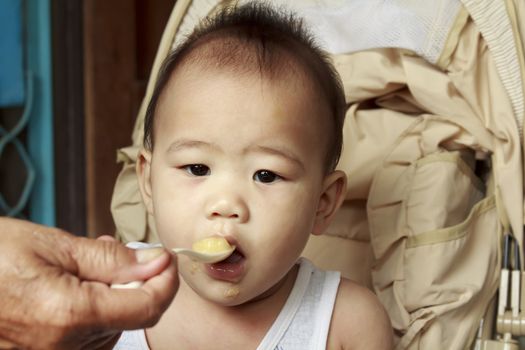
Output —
(230, 207)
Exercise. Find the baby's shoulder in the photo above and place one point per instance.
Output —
(359, 320)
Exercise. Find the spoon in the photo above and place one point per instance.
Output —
(205, 257)
(209, 250)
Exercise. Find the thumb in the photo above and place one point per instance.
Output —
(111, 262)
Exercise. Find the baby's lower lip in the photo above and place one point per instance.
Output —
(227, 270)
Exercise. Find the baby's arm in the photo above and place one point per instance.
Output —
(359, 321)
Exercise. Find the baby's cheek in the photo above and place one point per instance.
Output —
(290, 241)
(189, 270)
(194, 268)
(173, 230)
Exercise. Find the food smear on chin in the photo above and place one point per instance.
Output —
(232, 292)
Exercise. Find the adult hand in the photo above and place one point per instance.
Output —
(55, 294)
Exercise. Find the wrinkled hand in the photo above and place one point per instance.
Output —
(55, 294)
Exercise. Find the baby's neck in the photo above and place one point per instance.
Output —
(193, 322)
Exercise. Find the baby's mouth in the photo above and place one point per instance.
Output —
(234, 258)
(229, 269)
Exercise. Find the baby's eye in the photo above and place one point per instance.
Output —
(265, 176)
(197, 169)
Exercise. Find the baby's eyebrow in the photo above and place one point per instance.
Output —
(184, 144)
(278, 151)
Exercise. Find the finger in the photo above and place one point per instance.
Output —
(163, 287)
(151, 262)
(106, 238)
(132, 308)
(143, 255)
(111, 262)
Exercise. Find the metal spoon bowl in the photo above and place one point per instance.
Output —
(208, 258)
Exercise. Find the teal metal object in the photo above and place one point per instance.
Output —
(31, 17)
(11, 64)
(40, 129)
(10, 136)
(12, 94)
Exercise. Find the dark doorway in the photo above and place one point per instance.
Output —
(103, 52)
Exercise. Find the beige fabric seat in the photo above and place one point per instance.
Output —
(433, 155)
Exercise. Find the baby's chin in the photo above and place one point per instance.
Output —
(217, 292)
(246, 290)
(229, 294)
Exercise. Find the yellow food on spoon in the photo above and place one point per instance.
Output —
(208, 250)
(211, 245)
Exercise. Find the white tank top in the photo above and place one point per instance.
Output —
(302, 324)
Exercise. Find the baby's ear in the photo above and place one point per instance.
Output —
(143, 169)
(333, 195)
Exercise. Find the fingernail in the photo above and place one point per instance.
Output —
(147, 255)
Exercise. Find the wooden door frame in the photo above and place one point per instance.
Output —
(68, 115)
(120, 41)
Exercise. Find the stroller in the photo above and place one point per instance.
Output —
(433, 145)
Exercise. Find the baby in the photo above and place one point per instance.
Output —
(242, 136)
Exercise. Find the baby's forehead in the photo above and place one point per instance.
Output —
(250, 109)
(276, 66)
(291, 90)
(254, 41)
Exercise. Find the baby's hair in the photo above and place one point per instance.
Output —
(255, 38)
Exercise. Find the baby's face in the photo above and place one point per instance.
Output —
(239, 157)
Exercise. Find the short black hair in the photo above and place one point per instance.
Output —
(257, 38)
